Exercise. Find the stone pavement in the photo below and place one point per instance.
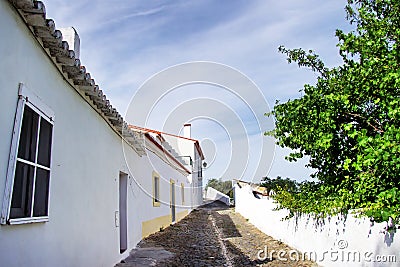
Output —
(212, 235)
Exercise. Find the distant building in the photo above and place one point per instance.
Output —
(188, 152)
(78, 186)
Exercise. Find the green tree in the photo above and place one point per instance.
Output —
(348, 123)
(222, 186)
(278, 184)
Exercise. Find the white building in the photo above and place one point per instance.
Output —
(78, 187)
(188, 151)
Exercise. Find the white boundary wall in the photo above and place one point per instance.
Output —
(214, 194)
(331, 243)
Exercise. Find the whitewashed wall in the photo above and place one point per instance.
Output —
(214, 194)
(331, 242)
(198, 180)
(86, 161)
(187, 148)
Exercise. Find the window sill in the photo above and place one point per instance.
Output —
(28, 220)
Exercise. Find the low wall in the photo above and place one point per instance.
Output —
(214, 194)
(336, 242)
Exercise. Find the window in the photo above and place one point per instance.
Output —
(199, 170)
(183, 193)
(156, 189)
(29, 166)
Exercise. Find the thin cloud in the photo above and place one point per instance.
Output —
(133, 40)
(145, 13)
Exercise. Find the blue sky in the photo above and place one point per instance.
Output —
(124, 43)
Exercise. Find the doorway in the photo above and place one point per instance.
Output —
(173, 215)
(123, 218)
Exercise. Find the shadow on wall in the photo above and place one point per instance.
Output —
(345, 234)
(389, 237)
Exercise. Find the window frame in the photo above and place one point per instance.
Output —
(183, 193)
(30, 99)
(156, 184)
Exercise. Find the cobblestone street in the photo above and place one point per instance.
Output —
(212, 235)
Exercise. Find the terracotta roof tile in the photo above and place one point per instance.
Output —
(147, 130)
(51, 39)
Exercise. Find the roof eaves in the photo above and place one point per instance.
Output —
(159, 132)
(167, 153)
(198, 147)
(147, 130)
(51, 39)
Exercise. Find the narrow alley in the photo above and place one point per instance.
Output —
(212, 235)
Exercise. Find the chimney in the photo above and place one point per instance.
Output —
(72, 38)
(187, 130)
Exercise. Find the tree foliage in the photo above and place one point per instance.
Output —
(279, 184)
(222, 186)
(348, 123)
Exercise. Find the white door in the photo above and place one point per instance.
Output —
(173, 216)
(123, 218)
